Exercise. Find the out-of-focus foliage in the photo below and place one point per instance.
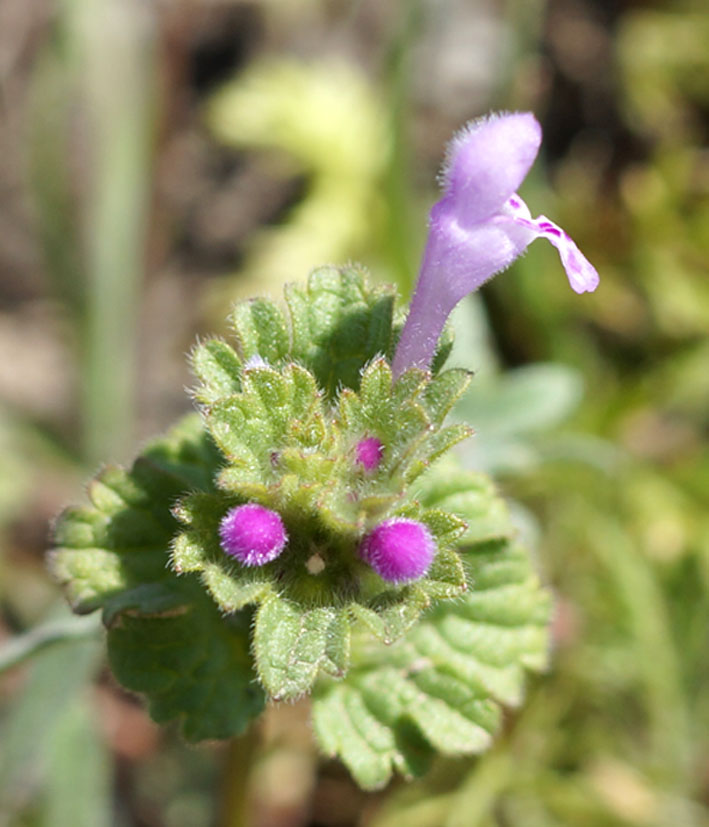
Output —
(324, 122)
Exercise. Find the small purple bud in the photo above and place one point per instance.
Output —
(253, 534)
(369, 453)
(399, 549)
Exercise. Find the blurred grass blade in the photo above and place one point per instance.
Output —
(78, 789)
(50, 176)
(23, 647)
(57, 677)
(90, 169)
(116, 48)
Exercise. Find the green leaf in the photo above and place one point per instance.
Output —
(193, 666)
(241, 434)
(444, 391)
(338, 325)
(433, 447)
(346, 726)
(393, 612)
(445, 527)
(375, 386)
(234, 592)
(409, 385)
(186, 453)
(443, 348)
(292, 646)
(448, 677)
(446, 577)
(261, 331)
(367, 721)
(122, 542)
(274, 409)
(89, 576)
(165, 638)
(470, 496)
(266, 401)
(219, 369)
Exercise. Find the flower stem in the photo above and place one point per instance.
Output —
(235, 804)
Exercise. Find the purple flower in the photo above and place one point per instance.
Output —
(479, 227)
(369, 452)
(253, 534)
(399, 549)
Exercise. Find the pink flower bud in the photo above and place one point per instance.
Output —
(253, 534)
(369, 453)
(399, 549)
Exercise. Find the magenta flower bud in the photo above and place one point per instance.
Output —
(369, 453)
(399, 549)
(479, 227)
(253, 534)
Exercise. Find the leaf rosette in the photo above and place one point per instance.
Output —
(287, 408)
(282, 412)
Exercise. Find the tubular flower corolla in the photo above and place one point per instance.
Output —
(479, 227)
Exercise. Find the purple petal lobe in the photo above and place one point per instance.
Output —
(399, 550)
(488, 160)
(583, 276)
(253, 534)
(369, 453)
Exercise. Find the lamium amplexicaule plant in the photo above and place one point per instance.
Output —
(307, 533)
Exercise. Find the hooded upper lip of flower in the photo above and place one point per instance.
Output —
(479, 227)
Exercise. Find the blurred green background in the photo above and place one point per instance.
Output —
(161, 160)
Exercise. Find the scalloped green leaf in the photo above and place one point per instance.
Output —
(444, 391)
(375, 386)
(261, 330)
(218, 368)
(434, 446)
(445, 578)
(232, 593)
(165, 638)
(455, 669)
(243, 434)
(187, 453)
(393, 612)
(274, 409)
(122, 541)
(194, 667)
(472, 497)
(90, 576)
(338, 325)
(448, 677)
(293, 645)
(410, 385)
